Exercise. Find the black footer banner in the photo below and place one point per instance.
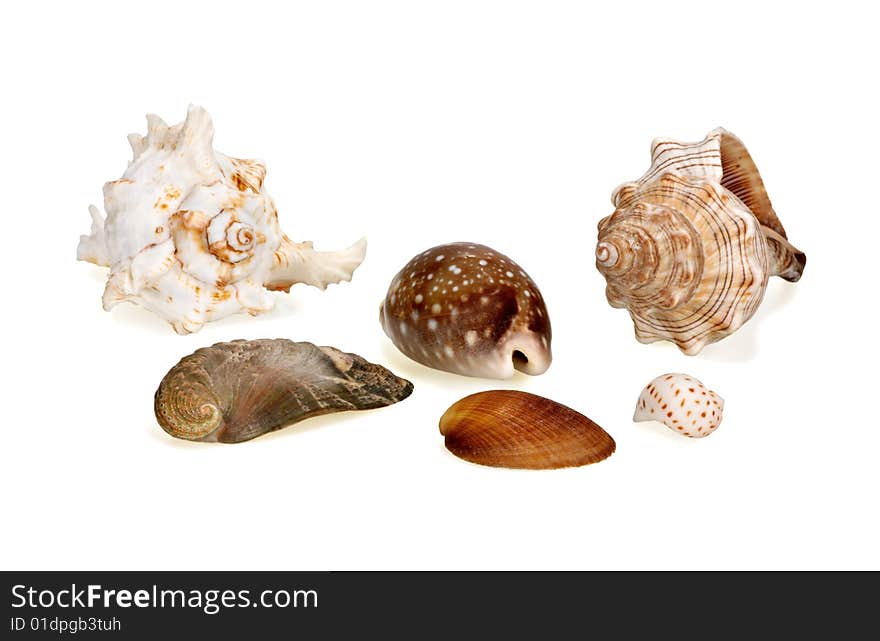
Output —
(264, 605)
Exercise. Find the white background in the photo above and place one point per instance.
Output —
(415, 124)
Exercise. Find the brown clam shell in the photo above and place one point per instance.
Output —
(508, 428)
(235, 391)
(468, 309)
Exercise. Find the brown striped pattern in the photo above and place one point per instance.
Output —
(692, 243)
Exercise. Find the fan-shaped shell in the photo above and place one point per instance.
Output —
(509, 428)
(468, 309)
(691, 245)
(238, 390)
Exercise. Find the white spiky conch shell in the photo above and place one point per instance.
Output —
(691, 244)
(192, 235)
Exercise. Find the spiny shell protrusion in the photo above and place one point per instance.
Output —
(681, 403)
(192, 235)
(235, 391)
(468, 309)
(691, 244)
(509, 428)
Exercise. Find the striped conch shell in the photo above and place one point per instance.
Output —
(691, 244)
(192, 235)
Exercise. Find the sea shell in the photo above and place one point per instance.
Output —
(692, 243)
(681, 403)
(508, 428)
(235, 391)
(468, 309)
(192, 235)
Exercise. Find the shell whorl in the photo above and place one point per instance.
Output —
(230, 239)
(649, 255)
(186, 405)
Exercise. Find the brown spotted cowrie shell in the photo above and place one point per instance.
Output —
(509, 428)
(468, 309)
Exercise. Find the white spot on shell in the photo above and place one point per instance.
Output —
(419, 298)
(440, 257)
(432, 324)
(509, 274)
(471, 337)
(448, 351)
(527, 294)
(436, 308)
(482, 262)
(403, 328)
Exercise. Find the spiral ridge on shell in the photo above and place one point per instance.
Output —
(640, 250)
(185, 405)
(230, 239)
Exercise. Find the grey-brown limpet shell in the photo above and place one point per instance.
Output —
(235, 391)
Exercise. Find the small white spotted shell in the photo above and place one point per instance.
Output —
(681, 403)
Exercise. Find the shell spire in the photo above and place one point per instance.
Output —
(192, 235)
(691, 244)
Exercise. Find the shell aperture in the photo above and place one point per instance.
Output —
(235, 391)
(468, 309)
(691, 244)
(192, 235)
